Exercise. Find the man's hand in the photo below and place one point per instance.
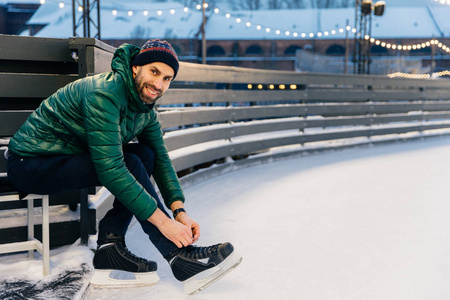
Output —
(184, 218)
(178, 233)
(193, 226)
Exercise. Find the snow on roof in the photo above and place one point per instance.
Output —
(20, 1)
(49, 13)
(397, 22)
(402, 22)
(440, 16)
(179, 25)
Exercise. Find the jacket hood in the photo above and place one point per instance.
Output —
(121, 65)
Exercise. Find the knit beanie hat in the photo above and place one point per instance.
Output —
(157, 50)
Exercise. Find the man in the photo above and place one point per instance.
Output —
(80, 137)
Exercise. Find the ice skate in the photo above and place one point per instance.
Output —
(116, 266)
(199, 267)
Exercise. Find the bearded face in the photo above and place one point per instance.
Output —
(152, 80)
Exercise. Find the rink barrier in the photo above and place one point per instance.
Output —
(224, 116)
(212, 114)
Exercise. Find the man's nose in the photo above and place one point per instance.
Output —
(158, 83)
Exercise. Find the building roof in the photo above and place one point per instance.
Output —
(422, 21)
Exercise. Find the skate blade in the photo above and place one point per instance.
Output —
(121, 279)
(195, 285)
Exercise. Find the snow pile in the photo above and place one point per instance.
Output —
(21, 278)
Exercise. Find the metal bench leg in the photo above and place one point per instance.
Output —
(45, 235)
(30, 219)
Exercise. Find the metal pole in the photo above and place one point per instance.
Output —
(98, 19)
(84, 16)
(203, 33)
(369, 44)
(347, 50)
(355, 43)
(433, 63)
(88, 18)
(74, 25)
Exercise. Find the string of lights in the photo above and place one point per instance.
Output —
(326, 33)
(216, 10)
(410, 47)
(420, 76)
(239, 20)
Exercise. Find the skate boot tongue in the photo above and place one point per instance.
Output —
(195, 252)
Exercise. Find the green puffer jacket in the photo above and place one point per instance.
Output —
(98, 115)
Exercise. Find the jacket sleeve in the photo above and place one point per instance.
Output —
(102, 122)
(164, 173)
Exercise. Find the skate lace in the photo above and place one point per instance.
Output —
(195, 252)
(124, 250)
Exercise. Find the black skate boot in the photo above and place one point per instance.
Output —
(115, 265)
(198, 267)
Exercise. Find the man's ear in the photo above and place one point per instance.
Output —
(135, 69)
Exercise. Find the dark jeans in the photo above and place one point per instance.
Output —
(54, 174)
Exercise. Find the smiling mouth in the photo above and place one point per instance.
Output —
(151, 91)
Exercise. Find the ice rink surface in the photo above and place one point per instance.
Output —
(364, 223)
(357, 224)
